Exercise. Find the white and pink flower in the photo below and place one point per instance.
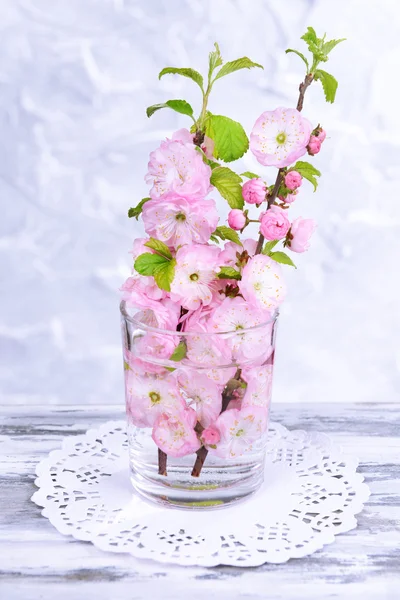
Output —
(176, 221)
(195, 275)
(254, 191)
(280, 137)
(176, 166)
(202, 394)
(300, 234)
(150, 396)
(250, 325)
(174, 433)
(239, 430)
(262, 283)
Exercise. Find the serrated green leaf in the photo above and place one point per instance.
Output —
(310, 35)
(185, 72)
(180, 106)
(268, 247)
(230, 139)
(308, 171)
(164, 274)
(214, 60)
(147, 263)
(226, 233)
(329, 46)
(228, 184)
(250, 175)
(136, 211)
(329, 84)
(235, 65)
(281, 257)
(303, 58)
(159, 247)
(228, 273)
(179, 353)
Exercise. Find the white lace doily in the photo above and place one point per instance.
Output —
(311, 493)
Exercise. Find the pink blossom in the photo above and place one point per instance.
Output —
(274, 223)
(314, 145)
(228, 256)
(210, 351)
(259, 386)
(254, 191)
(141, 292)
(198, 389)
(293, 180)
(176, 166)
(238, 316)
(156, 346)
(195, 274)
(150, 396)
(300, 234)
(236, 219)
(175, 221)
(262, 283)
(208, 147)
(289, 198)
(175, 435)
(239, 430)
(280, 137)
(210, 436)
(321, 135)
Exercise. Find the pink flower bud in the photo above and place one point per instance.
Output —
(210, 436)
(300, 234)
(236, 219)
(208, 147)
(254, 191)
(274, 223)
(321, 135)
(293, 180)
(314, 145)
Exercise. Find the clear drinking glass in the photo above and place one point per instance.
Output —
(216, 389)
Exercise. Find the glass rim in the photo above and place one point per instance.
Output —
(160, 331)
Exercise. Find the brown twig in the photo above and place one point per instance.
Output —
(279, 178)
(162, 463)
(226, 398)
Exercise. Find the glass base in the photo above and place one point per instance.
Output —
(221, 483)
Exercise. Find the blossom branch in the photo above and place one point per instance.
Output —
(279, 178)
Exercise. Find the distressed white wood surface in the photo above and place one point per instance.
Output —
(38, 562)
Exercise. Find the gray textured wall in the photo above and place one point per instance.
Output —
(75, 78)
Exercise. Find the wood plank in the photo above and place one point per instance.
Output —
(38, 562)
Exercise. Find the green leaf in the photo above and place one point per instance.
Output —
(179, 353)
(228, 273)
(235, 65)
(147, 263)
(329, 46)
(180, 106)
(268, 247)
(228, 184)
(136, 211)
(281, 257)
(214, 60)
(230, 138)
(226, 233)
(159, 247)
(303, 58)
(308, 171)
(191, 73)
(310, 36)
(329, 83)
(250, 175)
(164, 274)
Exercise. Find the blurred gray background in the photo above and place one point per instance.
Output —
(75, 79)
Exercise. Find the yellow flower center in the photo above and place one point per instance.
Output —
(194, 277)
(155, 397)
(281, 138)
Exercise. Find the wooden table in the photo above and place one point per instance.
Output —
(36, 562)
